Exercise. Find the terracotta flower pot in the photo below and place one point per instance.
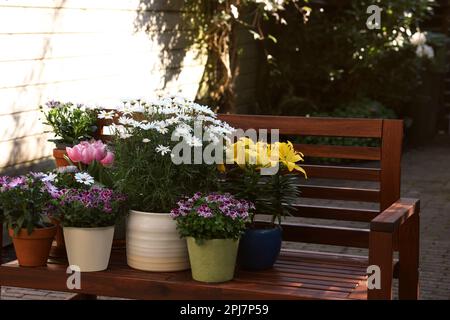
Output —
(33, 250)
(58, 154)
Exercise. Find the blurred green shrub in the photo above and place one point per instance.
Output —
(334, 59)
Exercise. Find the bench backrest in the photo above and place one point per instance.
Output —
(386, 175)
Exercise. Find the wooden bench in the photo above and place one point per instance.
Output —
(393, 226)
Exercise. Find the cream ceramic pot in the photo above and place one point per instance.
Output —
(89, 248)
(153, 243)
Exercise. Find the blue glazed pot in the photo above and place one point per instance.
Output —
(259, 248)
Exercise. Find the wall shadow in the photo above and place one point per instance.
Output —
(166, 23)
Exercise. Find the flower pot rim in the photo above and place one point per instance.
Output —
(215, 239)
(33, 233)
(265, 230)
(90, 228)
(151, 213)
(36, 228)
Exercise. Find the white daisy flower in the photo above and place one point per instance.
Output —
(183, 130)
(103, 114)
(162, 130)
(145, 140)
(126, 120)
(51, 177)
(162, 149)
(85, 178)
(194, 141)
(125, 135)
(147, 126)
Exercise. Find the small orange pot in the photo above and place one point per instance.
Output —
(33, 250)
(58, 154)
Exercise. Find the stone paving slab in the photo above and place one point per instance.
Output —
(425, 175)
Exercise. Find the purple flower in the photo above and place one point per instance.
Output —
(53, 104)
(204, 211)
(4, 180)
(17, 182)
(52, 190)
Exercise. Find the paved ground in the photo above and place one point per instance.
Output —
(426, 174)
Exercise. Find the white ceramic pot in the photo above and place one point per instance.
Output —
(89, 248)
(153, 243)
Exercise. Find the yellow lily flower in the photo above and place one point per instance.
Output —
(289, 157)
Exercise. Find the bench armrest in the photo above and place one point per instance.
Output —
(396, 228)
(394, 216)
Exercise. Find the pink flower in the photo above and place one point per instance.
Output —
(74, 153)
(108, 160)
(99, 149)
(86, 152)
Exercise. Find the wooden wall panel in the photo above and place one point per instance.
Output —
(94, 51)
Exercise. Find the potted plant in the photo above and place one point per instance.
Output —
(96, 158)
(88, 218)
(68, 177)
(272, 194)
(71, 124)
(24, 202)
(147, 170)
(212, 225)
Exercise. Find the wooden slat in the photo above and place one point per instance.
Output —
(391, 162)
(339, 127)
(300, 276)
(345, 173)
(325, 257)
(326, 235)
(340, 193)
(360, 292)
(320, 269)
(341, 152)
(287, 282)
(334, 213)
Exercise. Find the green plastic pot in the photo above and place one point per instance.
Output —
(213, 260)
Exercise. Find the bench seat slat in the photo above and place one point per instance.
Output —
(303, 278)
(286, 283)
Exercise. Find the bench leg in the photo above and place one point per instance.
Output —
(409, 246)
(381, 252)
